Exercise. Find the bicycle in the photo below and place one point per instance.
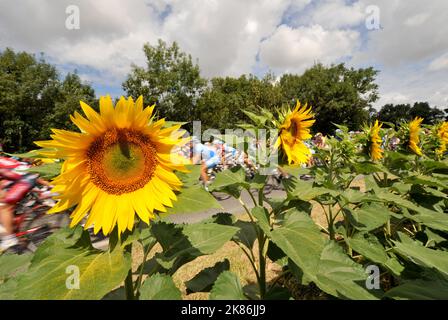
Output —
(32, 225)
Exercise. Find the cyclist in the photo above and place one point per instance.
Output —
(227, 153)
(15, 183)
(207, 156)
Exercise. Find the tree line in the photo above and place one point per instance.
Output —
(34, 98)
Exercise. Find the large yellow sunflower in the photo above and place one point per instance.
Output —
(293, 131)
(442, 134)
(118, 165)
(414, 139)
(376, 152)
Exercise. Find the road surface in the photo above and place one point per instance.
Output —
(228, 203)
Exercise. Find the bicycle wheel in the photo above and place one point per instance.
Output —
(40, 225)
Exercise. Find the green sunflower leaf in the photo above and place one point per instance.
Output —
(47, 171)
(322, 261)
(227, 287)
(420, 255)
(12, 264)
(159, 287)
(192, 199)
(420, 289)
(229, 178)
(66, 266)
(203, 281)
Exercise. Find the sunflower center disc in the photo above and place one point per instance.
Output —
(294, 128)
(121, 161)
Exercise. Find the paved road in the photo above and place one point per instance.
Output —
(229, 204)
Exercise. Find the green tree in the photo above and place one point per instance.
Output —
(221, 105)
(337, 94)
(430, 115)
(33, 99)
(404, 113)
(71, 91)
(395, 113)
(170, 79)
(27, 90)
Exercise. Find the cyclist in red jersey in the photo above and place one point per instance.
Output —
(13, 187)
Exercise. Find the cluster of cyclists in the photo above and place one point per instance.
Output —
(16, 181)
(215, 155)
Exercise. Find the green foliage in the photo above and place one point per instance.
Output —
(227, 101)
(368, 217)
(47, 171)
(228, 180)
(419, 290)
(336, 93)
(71, 91)
(11, 265)
(33, 99)
(404, 113)
(192, 199)
(47, 276)
(422, 256)
(227, 287)
(203, 281)
(169, 79)
(159, 287)
(184, 243)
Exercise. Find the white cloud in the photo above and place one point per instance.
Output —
(297, 49)
(412, 31)
(411, 48)
(394, 98)
(110, 37)
(416, 20)
(413, 84)
(439, 63)
(251, 27)
(337, 14)
(223, 35)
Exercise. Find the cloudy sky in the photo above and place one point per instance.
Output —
(407, 40)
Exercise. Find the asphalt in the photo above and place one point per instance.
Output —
(228, 204)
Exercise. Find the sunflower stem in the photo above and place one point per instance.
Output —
(140, 276)
(262, 265)
(331, 222)
(260, 196)
(128, 284)
(252, 197)
(261, 252)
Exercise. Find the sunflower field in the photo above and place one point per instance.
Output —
(383, 194)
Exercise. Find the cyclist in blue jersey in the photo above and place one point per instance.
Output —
(226, 152)
(207, 156)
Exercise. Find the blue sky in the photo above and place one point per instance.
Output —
(233, 37)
